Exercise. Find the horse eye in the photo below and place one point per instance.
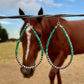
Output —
(39, 35)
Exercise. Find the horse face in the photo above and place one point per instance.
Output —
(30, 44)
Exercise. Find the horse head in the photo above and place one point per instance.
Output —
(30, 43)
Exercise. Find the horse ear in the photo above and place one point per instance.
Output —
(21, 13)
(40, 13)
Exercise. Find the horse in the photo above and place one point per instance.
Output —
(59, 47)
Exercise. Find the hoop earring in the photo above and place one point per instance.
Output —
(16, 50)
(70, 43)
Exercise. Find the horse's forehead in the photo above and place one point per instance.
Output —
(33, 24)
(28, 28)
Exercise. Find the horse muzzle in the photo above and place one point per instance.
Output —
(27, 73)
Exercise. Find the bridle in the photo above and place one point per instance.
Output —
(47, 45)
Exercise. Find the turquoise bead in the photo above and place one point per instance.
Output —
(42, 53)
(25, 27)
(16, 52)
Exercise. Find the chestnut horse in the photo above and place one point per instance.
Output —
(59, 47)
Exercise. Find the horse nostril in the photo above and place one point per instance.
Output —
(27, 72)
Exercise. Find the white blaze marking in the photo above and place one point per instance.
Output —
(28, 41)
